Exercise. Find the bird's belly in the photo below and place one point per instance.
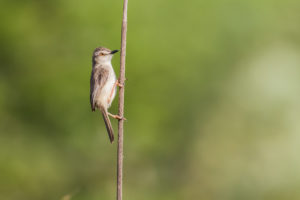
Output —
(108, 92)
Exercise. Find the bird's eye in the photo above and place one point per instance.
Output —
(101, 54)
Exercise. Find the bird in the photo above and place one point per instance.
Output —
(103, 84)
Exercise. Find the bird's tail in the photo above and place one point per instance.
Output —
(107, 124)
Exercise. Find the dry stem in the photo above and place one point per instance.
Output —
(121, 103)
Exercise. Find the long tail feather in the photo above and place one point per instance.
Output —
(107, 124)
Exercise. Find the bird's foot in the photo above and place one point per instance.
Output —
(117, 117)
(119, 84)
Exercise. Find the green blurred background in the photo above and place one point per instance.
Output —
(212, 100)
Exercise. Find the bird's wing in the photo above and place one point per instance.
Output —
(98, 80)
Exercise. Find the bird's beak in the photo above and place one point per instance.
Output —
(114, 51)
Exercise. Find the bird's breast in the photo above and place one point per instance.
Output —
(108, 92)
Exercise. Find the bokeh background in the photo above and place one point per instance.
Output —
(212, 100)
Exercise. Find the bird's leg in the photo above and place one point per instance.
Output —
(117, 83)
(116, 116)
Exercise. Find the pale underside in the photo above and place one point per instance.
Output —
(102, 87)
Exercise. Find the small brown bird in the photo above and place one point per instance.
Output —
(103, 85)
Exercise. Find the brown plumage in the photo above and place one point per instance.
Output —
(98, 80)
(102, 85)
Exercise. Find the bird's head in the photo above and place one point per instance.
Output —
(102, 55)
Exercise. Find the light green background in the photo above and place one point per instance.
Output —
(212, 100)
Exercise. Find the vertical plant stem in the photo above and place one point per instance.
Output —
(121, 104)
